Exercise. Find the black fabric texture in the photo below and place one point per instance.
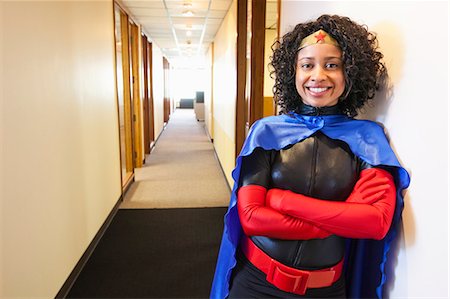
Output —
(318, 166)
(310, 110)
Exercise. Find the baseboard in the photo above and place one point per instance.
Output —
(223, 171)
(207, 134)
(65, 289)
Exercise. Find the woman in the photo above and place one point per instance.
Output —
(313, 178)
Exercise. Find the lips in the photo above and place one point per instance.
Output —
(317, 89)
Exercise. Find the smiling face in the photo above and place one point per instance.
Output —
(319, 77)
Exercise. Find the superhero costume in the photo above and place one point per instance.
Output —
(301, 230)
(366, 141)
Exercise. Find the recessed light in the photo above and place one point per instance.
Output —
(188, 13)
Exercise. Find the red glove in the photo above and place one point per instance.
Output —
(259, 220)
(371, 186)
(353, 219)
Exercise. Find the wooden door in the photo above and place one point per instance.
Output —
(166, 67)
(241, 74)
(150, 96)
(145, 94)
(124, 96)
(250, 66)
(256, 98)
(136, 96)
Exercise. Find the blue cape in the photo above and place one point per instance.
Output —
(366, 259)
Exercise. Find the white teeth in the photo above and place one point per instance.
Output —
(317, 89)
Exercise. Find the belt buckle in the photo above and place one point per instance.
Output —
(286, 278)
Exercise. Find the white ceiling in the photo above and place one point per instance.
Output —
(165, 23)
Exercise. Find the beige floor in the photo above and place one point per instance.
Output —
(181, 171)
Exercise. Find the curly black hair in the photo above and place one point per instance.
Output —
(363, 68)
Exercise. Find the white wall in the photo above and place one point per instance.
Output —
(60, 160)
(2, 157)
(209, 100)
(158, 89)
(224, 91)
(414, 38)
(270, 38)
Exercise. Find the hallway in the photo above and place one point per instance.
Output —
(181, 171)
(162, 232)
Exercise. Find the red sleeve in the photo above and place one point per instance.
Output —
(259, 220)
(367, 213)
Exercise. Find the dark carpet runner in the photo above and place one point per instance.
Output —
(154, 253)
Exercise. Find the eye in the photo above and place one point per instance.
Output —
(306, 65)
(332, 65)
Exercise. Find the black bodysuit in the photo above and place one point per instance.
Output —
(318, 167)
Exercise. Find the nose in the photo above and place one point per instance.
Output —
(318, 74)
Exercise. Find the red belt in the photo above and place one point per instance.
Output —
(286, 278)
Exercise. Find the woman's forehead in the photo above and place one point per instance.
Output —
(320, 51)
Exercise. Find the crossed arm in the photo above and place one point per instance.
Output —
(367, 212)
(259, 220)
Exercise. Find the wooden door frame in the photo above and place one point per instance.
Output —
(151, 101)
(256, 109)
(127, 177)
(166, 67)
(145, 97)
(129, 164)
(246, 116)
(135, 81)
(241, 66)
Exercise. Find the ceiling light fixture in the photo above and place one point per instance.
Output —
(189, 33)
(188, 13)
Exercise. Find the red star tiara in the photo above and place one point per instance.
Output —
(318, 37)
